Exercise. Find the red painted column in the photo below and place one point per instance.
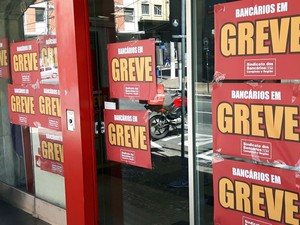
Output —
(73, 42)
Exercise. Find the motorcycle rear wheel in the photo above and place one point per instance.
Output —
(159, 127)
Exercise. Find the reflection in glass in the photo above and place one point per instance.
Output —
(129, 194)
(21, 22)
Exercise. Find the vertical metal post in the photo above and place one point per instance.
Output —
(183, 3)
(47, 18)
(172, 59)
(206, 49)
(179, 44)
(207, 70)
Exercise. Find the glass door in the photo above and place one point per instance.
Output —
(129, 194)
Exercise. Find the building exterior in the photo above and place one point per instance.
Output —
(39, 19)
(154, 10)
(75, 136)
(132, 17)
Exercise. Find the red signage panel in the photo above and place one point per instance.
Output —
(48, 60)
(25, 62)
(132, 72)
(51, 155)
(252, 194)
(48, 106)
(127, 137)
(35, 105)
(4, 59)
(258, 121)
(257, 39)
(21, 104)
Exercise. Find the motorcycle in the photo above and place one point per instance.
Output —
(166, 113)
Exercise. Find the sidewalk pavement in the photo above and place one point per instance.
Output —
(10, 215)
(201, 88)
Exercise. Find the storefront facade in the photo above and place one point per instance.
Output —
(75, 133)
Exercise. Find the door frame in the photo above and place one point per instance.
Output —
(73, 45)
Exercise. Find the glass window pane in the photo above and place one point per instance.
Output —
(26, 154)
(203, 65)
(14, 139)
(130, 194)
(203, 73)
(157, 10)
(39, 14)
(129, 15)
(145, 9)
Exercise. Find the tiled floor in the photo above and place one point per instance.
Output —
(10, 215)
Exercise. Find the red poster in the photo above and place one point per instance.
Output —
(252, 194)
(25, 62)
(22, 109)
(48, 107)
(257, 39)
(258, 121)
(48, 60)
(4, 59)
(132, 72)
(51, 154)
(127, 137)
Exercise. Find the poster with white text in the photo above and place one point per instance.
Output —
(127, 137)
(252, 194)
(257, 121)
